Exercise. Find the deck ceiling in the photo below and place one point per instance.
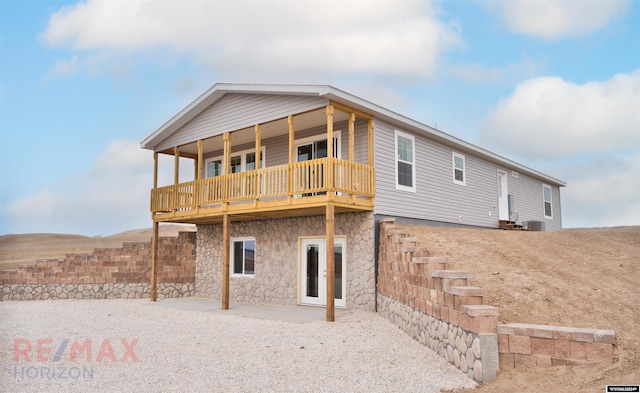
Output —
(267, 130)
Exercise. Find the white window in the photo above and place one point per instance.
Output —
(459, 175)
(241, 161)
(243, 256)
(405, 162)
(546, 196)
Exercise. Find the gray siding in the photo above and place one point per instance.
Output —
(529, 202)
(236, 111)
(277, 148)
(437, 198)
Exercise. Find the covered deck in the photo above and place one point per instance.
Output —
(320, 184)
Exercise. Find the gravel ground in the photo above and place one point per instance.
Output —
(168, 349)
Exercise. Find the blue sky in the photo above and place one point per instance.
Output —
(552, 84)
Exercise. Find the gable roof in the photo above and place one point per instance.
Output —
(219, 90)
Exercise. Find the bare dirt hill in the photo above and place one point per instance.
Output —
(25, 249)
(580, 278)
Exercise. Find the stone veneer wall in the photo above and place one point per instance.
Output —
(107, 273)
(435, 306)
(277, 263)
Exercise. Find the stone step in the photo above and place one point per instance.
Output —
(444, 279)
(422, 252)
(443, 260)
(467, 291)
(480, 310)
(450, 274)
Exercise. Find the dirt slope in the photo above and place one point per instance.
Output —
(24, 249)
(580, 278)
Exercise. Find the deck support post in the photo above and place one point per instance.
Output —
(226, 233)
(226, 244)
(330, 259)
(154, 261)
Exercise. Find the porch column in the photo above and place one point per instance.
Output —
(352, 130)
(176, 170)
(198, 173)
(330, 259)
(370, 142)
(226, 244)
(226, 158)
(154, 261)
(155, 170)
(329, 170)
(256, 182)
(291, 159)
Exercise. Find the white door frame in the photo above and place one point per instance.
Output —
(503, 196)
(321, 284)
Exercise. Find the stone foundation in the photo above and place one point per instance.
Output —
(276, 279)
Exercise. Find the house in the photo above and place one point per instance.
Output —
(290, 180)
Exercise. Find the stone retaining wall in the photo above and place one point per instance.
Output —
(436, 306)
(107, 273)
(94, 291)
(525, 346)
(473, 353)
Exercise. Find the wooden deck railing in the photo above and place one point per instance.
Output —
(305, 178)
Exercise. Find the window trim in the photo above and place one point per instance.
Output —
(399, 186)
(243, 158)
(544, 201)
(462, 182)
(232, 257)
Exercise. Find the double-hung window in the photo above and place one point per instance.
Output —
(405, 162)
(243, 256)
(459, 175)
(546, 196)
(240, 162)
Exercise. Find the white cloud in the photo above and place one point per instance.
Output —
(554, 19)
(550, 117)
(510, 73)
(252, 38)
(110, 197)
(603, 192)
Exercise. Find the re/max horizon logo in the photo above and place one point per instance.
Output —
(58, 355)
(42, 350)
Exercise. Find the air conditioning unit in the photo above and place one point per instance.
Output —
(537, 226)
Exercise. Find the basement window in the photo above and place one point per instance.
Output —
(243, 255)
